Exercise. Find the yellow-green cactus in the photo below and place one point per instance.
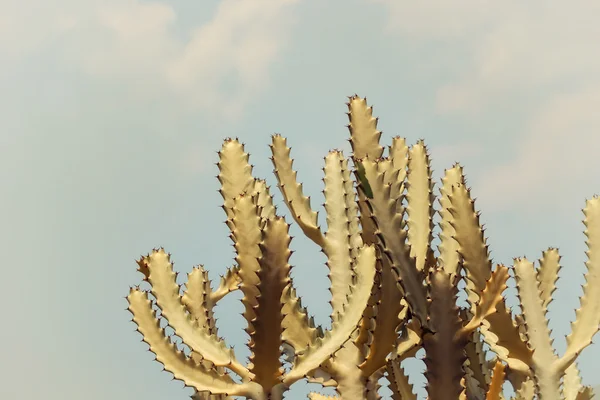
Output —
(391, 295)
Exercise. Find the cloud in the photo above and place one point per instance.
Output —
(238, 45)
(537, 58)
(139, 46)
(438, 19)
(551, 45)
(555, 161)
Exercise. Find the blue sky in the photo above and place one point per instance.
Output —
(114, 111)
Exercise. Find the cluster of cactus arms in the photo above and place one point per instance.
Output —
(392, 293)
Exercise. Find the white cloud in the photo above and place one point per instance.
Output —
(239, 44)
(439, 19)
(552, 44)
(540, 55)
(224, 62)
(555, 161)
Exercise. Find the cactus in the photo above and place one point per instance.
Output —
(391, 294)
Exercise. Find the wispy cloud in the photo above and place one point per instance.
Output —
(555, 161)
(219, 65)
(539, 56)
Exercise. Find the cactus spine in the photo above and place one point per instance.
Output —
(391, 294)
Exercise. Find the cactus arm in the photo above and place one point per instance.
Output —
(166, 292)
(526, 390)
(247, 236)
(174, 361)
(587, 393)
(448, 248)
(385, 334)
(391, 308)
(364, 140)
(235, 176)
(571, 383)
(230, 282)
(501, 334)
(364, 136)
(409, 342)
(587, 317)
(354, 228)
(339, 243)
(195, 298)
(472, 244)
(477, 372)
(342, 329)
(337, 246)
(547, 275)
(399, 157)
(499, 329)
(368, 324)
(366, 215)
(235, 173)
(399, 384)
(419, 209)
(264, 200)
(393, 240)
(473, 388)
(373, 385)
(488, 300)
(351, 385)
(445, 345)
(298, 330)
(495, 390)
(265, 340)
(444, 354)
(536, 328)
(298, 204)
(522, 383)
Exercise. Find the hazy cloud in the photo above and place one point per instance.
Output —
(541, 57)
(556, 159)
(224, 62)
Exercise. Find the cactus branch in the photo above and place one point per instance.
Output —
(399, 384)
(200, 340)
(547, 275)
(448, 248)
(337, 245)
(228, 284)
(495, 390)
(393, 240)
(498, 329)
(298, 204)
(174, 361)
(342, 329)
(364, 136)
(587, 317)
(273, 276)
(536, 329)
(420, 205)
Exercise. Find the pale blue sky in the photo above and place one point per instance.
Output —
(113, 111)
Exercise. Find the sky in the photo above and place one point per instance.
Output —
(113, 111)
